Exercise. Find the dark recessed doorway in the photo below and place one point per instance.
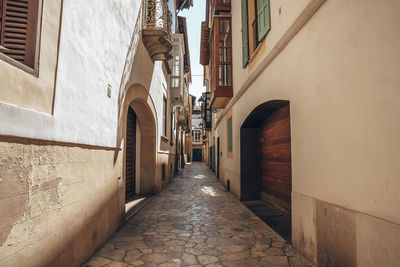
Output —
(266, 173)
(197, 154)
(130, 183)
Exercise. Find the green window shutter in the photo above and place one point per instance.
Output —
(263, 18)
(245, 34)
(230, 134)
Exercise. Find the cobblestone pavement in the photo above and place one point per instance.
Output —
(194, 221)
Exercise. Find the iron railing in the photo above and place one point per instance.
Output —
(156, 16)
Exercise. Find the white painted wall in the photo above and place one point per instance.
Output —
(94, 41)
(158, 90)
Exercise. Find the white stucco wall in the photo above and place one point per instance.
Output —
(94, 40)
(158, 90)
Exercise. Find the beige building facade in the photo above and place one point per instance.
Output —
(333, 65)
(89, 122)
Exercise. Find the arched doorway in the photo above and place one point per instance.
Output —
(140, 144)
(266, 173)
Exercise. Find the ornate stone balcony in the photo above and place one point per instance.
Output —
(156, 33)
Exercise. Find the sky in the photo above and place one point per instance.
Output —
(194, 16)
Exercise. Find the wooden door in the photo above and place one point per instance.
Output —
(218, 157)
(276, 171)
(130, 155)
(197, 155)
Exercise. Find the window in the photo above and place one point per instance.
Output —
(258, 12)
(220, 49)
(230, 134)
(175, 75)
(18, 31)
(164, 122)
(176, 61)
(197, 136)
(221, 59)
(224, 47)
(40, 88)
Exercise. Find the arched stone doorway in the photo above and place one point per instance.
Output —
(266, 173)
(138, 101)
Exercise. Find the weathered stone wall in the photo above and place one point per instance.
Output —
(359, 239)
(57, 203)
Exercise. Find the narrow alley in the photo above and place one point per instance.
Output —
(194, 222)
(199, 133)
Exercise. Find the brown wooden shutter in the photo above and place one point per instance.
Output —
(19, 29)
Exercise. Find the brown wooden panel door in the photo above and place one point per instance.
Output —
(276, 170)
(130, 155)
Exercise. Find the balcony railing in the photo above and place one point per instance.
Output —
(157, 22)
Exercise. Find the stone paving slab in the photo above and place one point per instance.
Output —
(194, 221)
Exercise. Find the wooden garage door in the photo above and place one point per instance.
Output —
(130, 155)
(276, 171)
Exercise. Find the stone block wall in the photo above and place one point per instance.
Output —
(330, 235)
(57, 203)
